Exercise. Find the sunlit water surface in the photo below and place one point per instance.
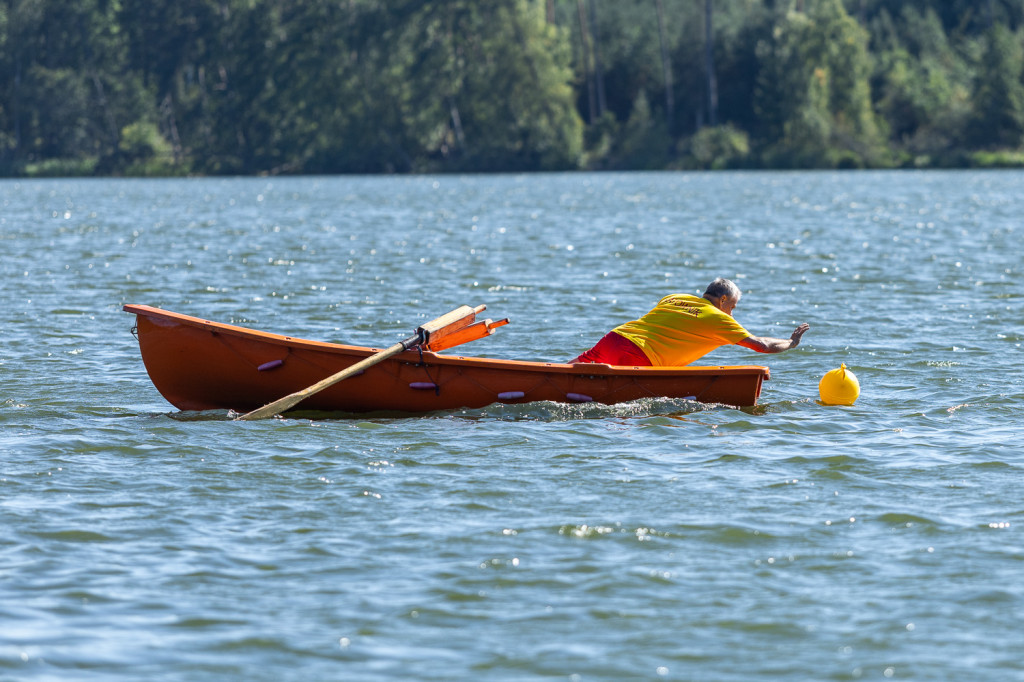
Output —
(651, 540)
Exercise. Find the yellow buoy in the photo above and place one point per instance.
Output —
(839, 387)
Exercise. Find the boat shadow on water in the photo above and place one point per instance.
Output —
(540, 411)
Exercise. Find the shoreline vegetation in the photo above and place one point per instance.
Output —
(144, 88)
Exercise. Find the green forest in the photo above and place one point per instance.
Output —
(248, 87)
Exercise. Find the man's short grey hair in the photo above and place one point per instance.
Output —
(723, 287)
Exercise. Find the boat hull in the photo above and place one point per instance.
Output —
(201, 365)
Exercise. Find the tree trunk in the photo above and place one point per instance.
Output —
(602, 103)
(585, 49)
(709, 63)
(460, 136)
(666, 67)
(15, 107)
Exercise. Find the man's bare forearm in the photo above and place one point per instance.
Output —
(768, 344)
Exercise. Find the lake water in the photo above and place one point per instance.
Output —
(651, 540)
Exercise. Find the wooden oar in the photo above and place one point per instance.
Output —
(458, 319)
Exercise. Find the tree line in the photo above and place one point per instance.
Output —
(174, 87)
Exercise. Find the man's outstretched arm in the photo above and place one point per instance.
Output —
(766, 344)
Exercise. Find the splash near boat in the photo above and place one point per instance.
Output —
(200, 365)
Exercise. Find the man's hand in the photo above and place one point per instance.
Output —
(794, 340)
(766, 344)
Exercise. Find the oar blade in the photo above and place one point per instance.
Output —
(275, 408)
(475, 331)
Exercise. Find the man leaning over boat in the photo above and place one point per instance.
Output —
(683, 328)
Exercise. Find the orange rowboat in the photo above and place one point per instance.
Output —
(201, 365)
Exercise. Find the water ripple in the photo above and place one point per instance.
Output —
(636, 541)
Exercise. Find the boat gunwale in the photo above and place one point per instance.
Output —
(434, 358)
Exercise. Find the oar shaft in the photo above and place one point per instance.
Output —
(447, 324)
(289, 401)
(351, 370)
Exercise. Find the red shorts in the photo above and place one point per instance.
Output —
(613, 349)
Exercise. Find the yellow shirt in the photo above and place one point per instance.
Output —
(682, 328)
